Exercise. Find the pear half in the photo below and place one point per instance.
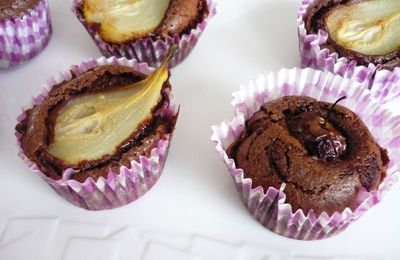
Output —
(123, 20)
(369, 27)
(91, 126)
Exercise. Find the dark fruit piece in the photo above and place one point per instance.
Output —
(318, 136)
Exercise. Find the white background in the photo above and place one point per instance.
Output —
(194, 208)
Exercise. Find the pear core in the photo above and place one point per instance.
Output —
(123, 20)
(368, 27)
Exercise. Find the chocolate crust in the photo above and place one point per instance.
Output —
(315, 21)
(36, 129)
(180, 18)
(270, 155)
(14, 8)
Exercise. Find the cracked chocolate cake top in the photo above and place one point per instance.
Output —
(323, 160)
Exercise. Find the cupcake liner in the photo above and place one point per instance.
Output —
(149, 50)
(386, 85)
(314, 55)
(269, 206)
(23, 37)
(119, 188)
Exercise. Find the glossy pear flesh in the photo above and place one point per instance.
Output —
(368, 27)
(94, 125)
(123, 20)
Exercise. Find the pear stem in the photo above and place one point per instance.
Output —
(171, 52)
(331, 109)
(161, 69)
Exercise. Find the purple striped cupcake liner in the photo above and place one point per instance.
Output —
(314, 55)
(149, 50)
(24, 37)
(269, 207)
(387, 85)
(119, 188)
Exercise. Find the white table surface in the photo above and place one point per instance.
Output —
(193, 212)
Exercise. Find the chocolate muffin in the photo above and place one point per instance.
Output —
(14, 8)
(323, 153)
(361, 30)
(120, 23)
(97, 122)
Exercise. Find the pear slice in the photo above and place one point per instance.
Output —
(123, 20)
(368, 27)
(94, 125)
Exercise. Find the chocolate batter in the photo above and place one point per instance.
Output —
(181, 17)
(324, 160)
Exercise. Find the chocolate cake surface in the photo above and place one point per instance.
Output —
(37, 129)
(14, 8)
(179, 18)
(323, 157)
(359, 29)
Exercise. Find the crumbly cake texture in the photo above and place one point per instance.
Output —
(271, 152)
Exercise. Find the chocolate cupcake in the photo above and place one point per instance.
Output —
(100, 138)
(306, 168)
(363, 33)
(144, 30)
(25, 30)
(323, 153)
